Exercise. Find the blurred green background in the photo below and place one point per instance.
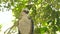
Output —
(45, 14)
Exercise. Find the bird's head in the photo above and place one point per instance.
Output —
(26, 10)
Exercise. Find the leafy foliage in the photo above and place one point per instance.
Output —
(45, 12)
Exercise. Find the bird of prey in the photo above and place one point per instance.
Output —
(26, 25)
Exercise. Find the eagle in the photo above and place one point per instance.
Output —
(25, 24)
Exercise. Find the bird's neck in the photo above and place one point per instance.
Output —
(24, 14)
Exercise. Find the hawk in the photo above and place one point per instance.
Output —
(26, 25)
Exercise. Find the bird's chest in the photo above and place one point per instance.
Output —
(25, 25)
(25, 22)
